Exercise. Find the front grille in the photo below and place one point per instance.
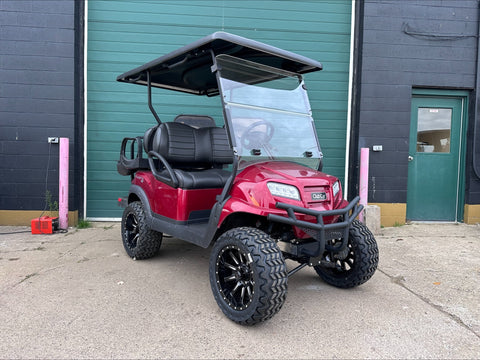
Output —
(317, 195)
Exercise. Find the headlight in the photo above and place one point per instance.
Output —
(283, 190)
(336, 188)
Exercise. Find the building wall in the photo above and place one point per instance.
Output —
(407, 44)
(37, 100)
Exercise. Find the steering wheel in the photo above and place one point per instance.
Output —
(255, 139)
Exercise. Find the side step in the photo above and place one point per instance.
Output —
(193, 233)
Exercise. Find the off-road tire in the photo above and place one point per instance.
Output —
(257, 270)
(360, 263)
(139, 241)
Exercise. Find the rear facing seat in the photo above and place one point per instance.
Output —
(130, 163)
(192, 158)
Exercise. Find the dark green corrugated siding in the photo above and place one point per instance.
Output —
(125, 34)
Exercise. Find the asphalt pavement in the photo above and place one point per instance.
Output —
(78, 295)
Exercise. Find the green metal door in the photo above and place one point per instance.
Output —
(125, 34)
(435, 167)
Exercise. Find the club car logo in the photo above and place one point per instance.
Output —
(318, 196)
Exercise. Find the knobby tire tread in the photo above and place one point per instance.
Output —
(272, 273)
(366, 259)
(149, 241)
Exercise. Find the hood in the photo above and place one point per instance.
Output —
(316, 189)
(284, 171)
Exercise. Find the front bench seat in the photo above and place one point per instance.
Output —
(192, 158)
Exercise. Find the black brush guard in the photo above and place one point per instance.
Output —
(320, 231)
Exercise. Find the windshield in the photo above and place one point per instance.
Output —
(268, 112)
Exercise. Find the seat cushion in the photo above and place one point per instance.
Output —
(200, 179)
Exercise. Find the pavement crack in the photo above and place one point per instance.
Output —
(38, 248)
(26, 278)
(400, 280)
(69, 251)
(45, 269)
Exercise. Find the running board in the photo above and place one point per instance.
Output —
(192, 233)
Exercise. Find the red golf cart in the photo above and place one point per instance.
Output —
(253, 188)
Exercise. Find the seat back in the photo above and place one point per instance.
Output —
(186, 147)
(196, 121)
(148, 138)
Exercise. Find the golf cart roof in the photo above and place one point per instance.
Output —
(188, 69)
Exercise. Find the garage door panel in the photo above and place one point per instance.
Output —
(123, 35)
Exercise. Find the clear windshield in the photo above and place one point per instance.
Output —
(269, 114)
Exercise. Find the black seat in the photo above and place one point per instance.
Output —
(148, 138)
(201, 179)
(193, 157)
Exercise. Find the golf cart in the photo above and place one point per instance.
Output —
(252, 188)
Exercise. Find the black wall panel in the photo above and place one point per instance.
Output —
(37, 99)
(406, 44)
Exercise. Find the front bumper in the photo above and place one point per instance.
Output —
(320, 231)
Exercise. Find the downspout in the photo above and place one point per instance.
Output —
(352, 159)
(349, 106)
(79, 108)
(477, 101)
(85, 111)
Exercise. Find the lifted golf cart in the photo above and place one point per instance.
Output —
(252, 188)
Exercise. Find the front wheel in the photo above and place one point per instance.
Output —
(359, 262)
(248, 275)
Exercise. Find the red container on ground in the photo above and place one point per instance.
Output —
(44, 225)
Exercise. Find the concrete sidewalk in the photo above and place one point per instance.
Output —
(78, 295)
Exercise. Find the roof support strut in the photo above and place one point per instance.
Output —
(150, 106)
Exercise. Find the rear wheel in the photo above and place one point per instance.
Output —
(248, 275)
(356, 264)
(138, 240)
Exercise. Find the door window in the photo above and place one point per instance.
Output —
(433, 131)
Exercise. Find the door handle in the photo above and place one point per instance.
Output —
(410, 157)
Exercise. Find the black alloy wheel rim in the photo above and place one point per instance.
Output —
(131, 231)
(346, 264)
(235, 277)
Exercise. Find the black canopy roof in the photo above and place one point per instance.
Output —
(188, 69)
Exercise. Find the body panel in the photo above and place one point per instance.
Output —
(249, 193)
(176, 204)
